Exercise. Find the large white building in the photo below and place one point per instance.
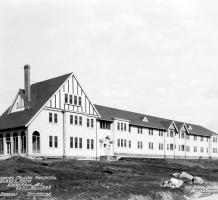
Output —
(56, 118)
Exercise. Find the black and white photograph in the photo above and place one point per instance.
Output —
(108, 100)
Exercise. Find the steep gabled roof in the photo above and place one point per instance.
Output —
(41, 92)
(109, 114)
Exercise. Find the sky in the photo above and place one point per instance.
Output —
(149, 56)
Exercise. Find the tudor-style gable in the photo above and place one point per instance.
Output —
(71, 97)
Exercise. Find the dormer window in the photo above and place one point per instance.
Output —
(190, 127)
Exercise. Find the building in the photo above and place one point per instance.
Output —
(56, 118)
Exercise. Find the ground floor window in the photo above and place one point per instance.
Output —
(23, 142)
(1, 145)
(15, 143)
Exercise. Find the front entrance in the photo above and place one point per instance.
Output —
(108, 146)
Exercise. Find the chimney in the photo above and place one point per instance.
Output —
(27, 99)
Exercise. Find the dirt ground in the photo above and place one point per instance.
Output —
(124, 179)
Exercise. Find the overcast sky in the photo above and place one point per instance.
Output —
(150, 56)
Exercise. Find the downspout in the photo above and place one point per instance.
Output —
(64, 134)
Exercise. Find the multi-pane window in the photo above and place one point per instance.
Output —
(182, 147)
(76, 120)
(80, 120)
(202, 139)
(171, 147)
(92, 123)
(75, 100)
(171, 133)
(118, 142)
(50, 141)
(121, 142)
(187, 137)
(139, 130)
(105, 125)
(76, 142)
(121, 126)
(214, 150)
(50, 117)
(71, 119)
(214, 139)
(55, 118)
(129, 128)
(182, 135)
(92, 144)
(150, 131)
(118, 126)
(124, 126)
(88, 122)
(195, 149)
(66, 98)
(195, 137)
(71, 99)
(80, 143)
(55, 141)
(124, 143)
(129, 143)
(71, 142)
(80, 101)
(88, 143)
(160, 146)
(150, 145)
(140, 144)
(160, 133)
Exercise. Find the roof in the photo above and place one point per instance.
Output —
(108, 113)
(41, 92)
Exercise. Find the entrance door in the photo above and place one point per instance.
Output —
(108, 146)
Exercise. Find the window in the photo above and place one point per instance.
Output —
(92, 144)
(202, 149)
(76, 142)
(80, 121)
(129, 143)
(66, 98)
(118, 142)
(1, 145)
(195, 149)
(71, 142)
(171, 133)
(105, 125)
(160, 133)
(150, 131)
(55, 141)
(71, 99)
(121, 125)
(125, 127)
(168, 147)
(187, 148)
(140, 144)
(214, 150)
(214, 139)
(55, 118)
(87, 122)
(195, 137)
(150, 145)
(124, 143)
(118, 126)
(121, 143)
(202, 139)
(80, 101)
(160, 146)
(75, 120)
(92, 123)
(75, 100)
(182, 147)
(139, 130)
(187, 137)
(171, 147)
(80, 143)
(50, 117)
(129, 128)
(88, 144)
(50, 141)
(182, 135)
(71, 119)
